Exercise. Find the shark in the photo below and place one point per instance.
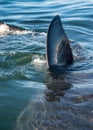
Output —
(52, 108)
(58, 50)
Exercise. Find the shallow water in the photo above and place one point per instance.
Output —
(31, 98)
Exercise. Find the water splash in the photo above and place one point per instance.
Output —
(6, 29)
(39, 62)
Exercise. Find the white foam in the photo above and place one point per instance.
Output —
(22, 32)
(4, 28)
(39, 62)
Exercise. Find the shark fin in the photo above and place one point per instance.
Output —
(58, 47)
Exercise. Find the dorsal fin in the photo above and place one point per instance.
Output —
(58, 47)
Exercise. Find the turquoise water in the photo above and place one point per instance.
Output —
(30, 98)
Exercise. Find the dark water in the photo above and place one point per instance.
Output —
(30, 98)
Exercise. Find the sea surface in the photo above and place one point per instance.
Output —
(30, 97)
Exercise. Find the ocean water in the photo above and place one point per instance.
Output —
(31, 98)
